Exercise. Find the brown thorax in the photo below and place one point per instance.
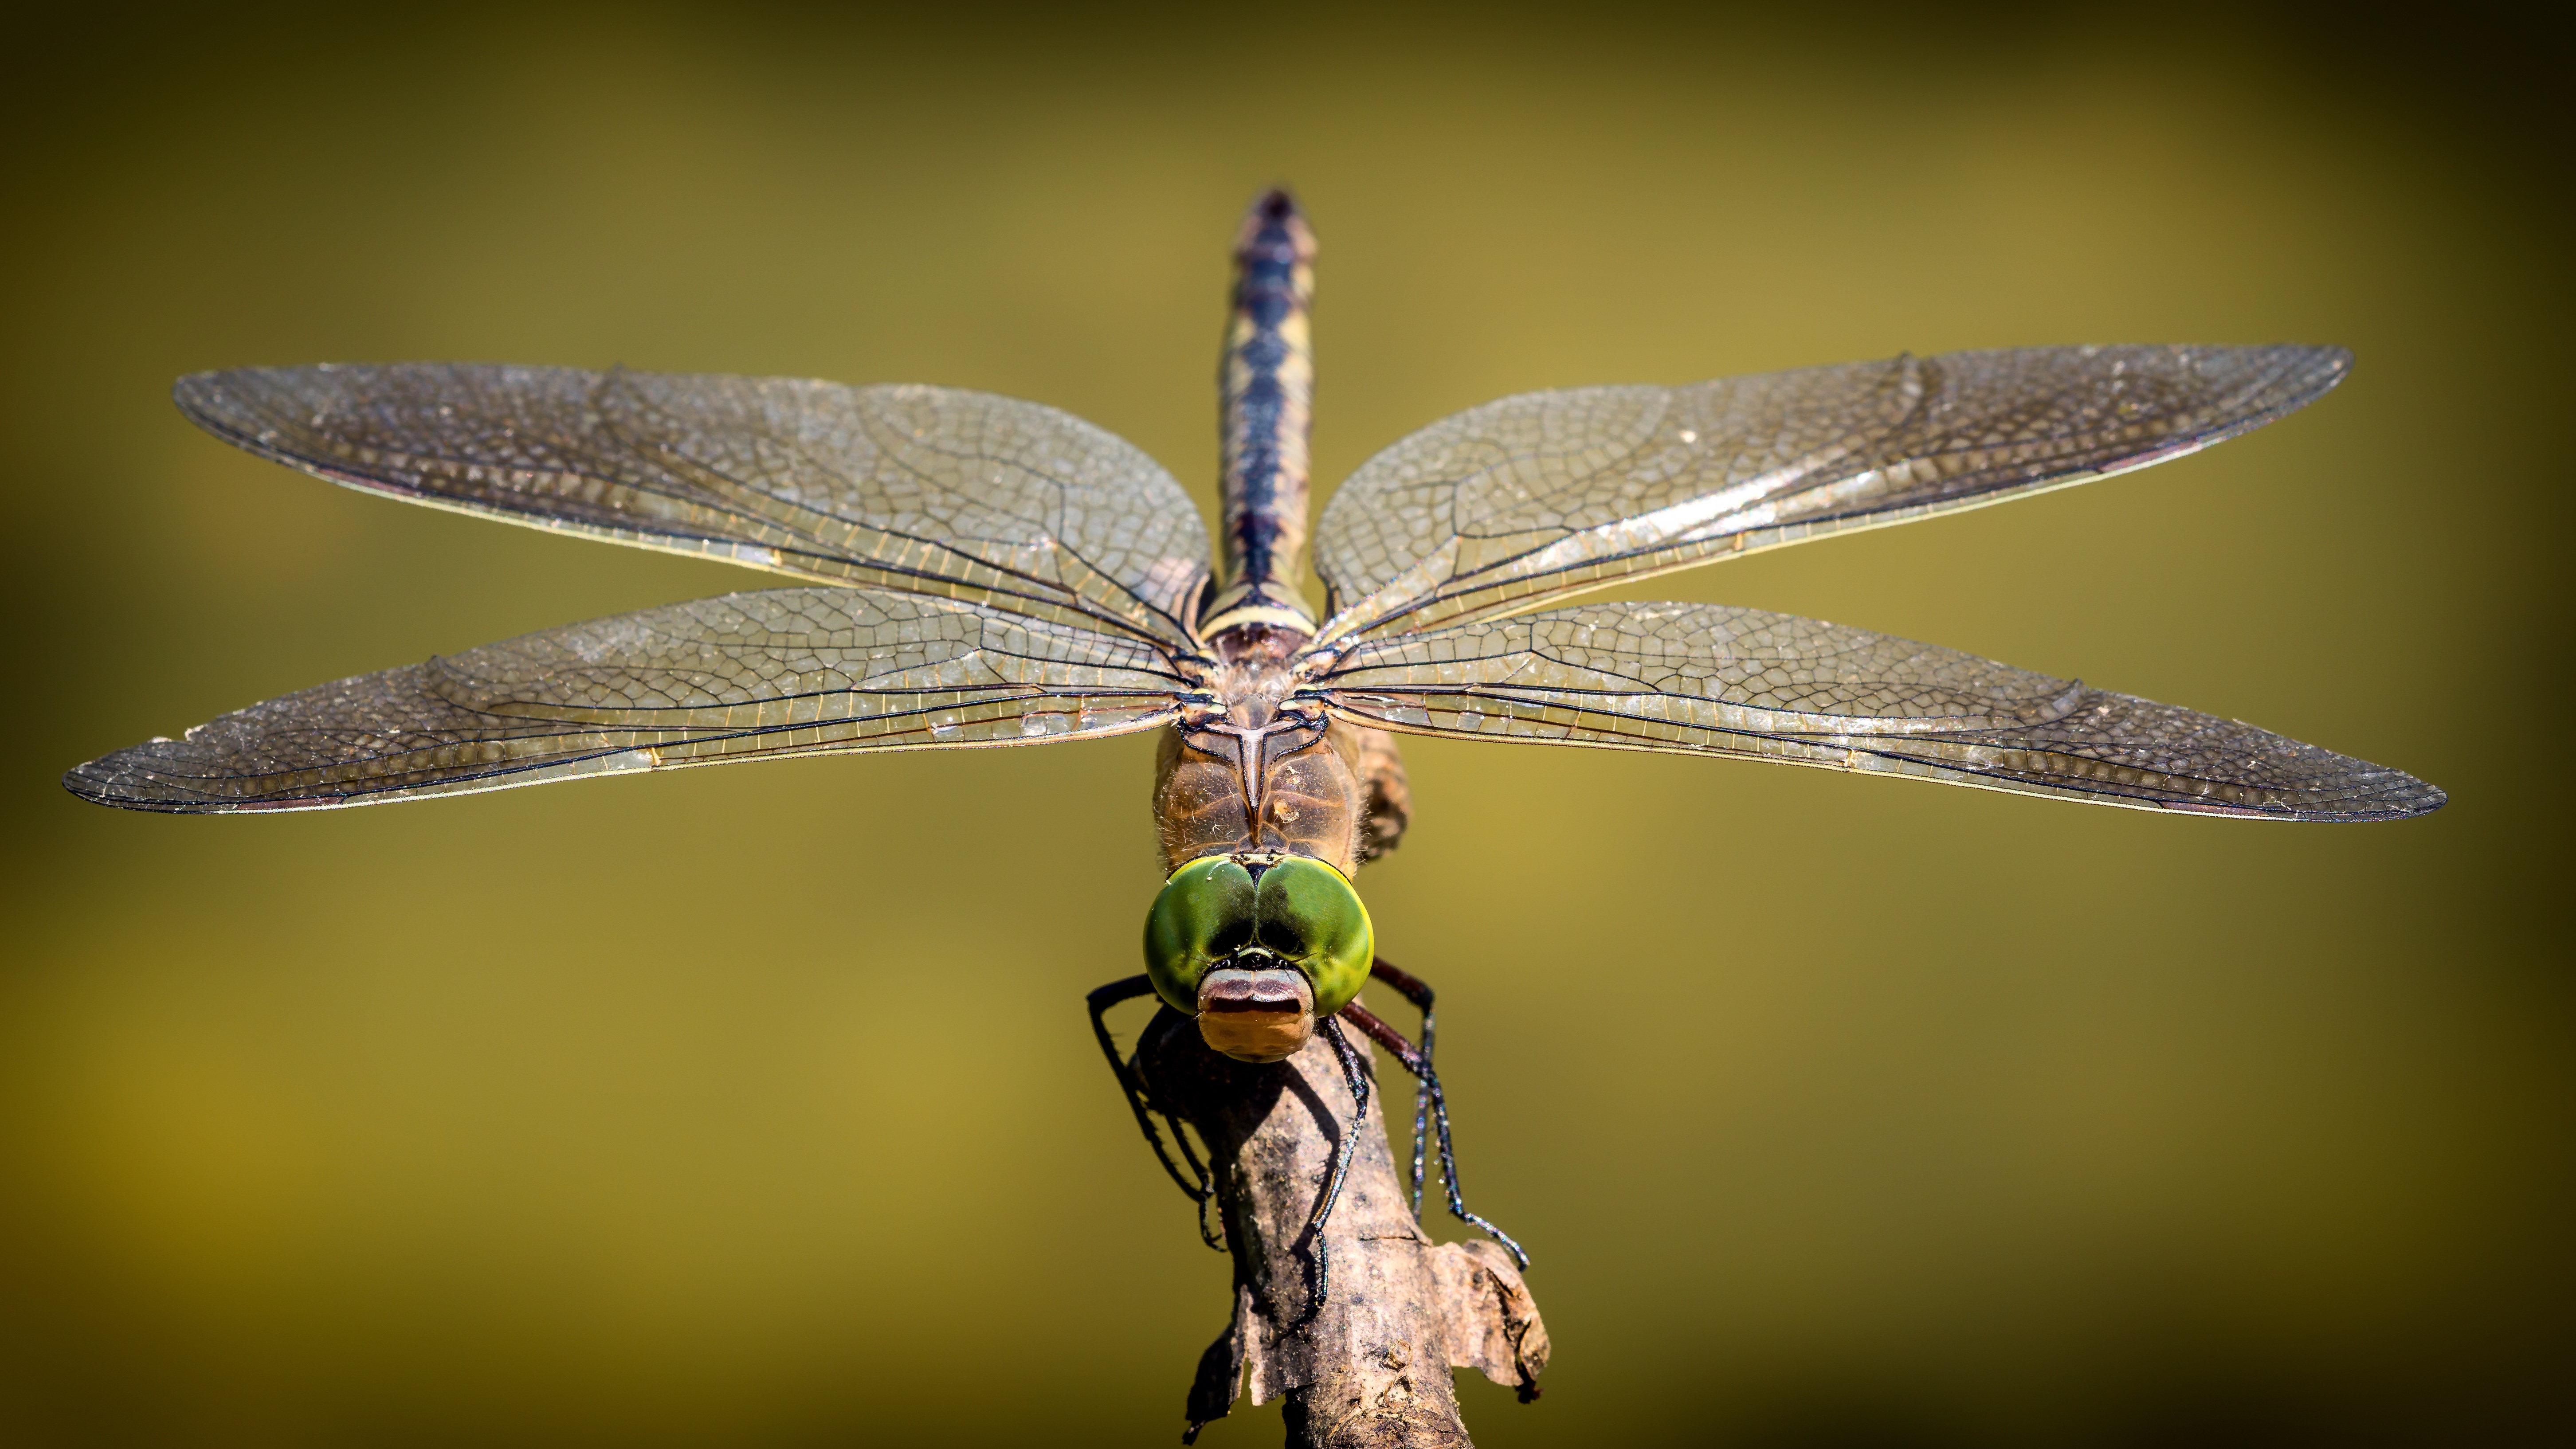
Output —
(1254, 765)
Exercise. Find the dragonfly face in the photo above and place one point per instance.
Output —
(1257, 947)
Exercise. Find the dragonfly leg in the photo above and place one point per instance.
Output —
(1414, 989)
(1202, 1191)
(1419, 1063)
(1355, 1072)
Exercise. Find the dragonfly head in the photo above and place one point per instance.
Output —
(1258, 948)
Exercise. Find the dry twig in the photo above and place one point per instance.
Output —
(1371, 1368)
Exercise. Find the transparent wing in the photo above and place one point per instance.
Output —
(1704, 678)
(1527, 501)
(927, 489)
(742, 677)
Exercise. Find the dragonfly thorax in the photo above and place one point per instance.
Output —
(1290, 784)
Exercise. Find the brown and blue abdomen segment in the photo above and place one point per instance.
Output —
(1268, 379)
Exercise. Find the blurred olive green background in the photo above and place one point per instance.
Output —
(755, 1106)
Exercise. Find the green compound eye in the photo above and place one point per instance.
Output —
(1301, 911)
(1304, 910)
(1203, 916)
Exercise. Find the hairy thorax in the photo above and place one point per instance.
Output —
(1314, 802)
(1251, 769)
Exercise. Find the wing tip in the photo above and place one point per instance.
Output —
(2328, 365)
(146, 791)
(137, 778)
(2391, 795)
(213, 402)
(2412, 798)
(110, 782)
(2403, 798)
(80, 780)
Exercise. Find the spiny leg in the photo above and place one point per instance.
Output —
(1203, 1191)
(1420, 1065)
(1355, 1072)
(1414, 989)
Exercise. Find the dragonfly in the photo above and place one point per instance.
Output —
(968, 571)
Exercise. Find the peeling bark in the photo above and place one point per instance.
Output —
(1371, 1368)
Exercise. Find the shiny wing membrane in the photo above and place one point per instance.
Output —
(1525, 502)
(931, 490)
(746, 676)
(1708, 679)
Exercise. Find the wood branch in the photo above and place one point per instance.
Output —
(1371, 1368)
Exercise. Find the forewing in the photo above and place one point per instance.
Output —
(742, 677)
(1527, 501)
(933, 490)
(1705, 678)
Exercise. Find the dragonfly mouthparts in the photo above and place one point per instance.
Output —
(1261, 1011)
(1263, 983)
